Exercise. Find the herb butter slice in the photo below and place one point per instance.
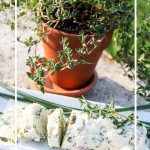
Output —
(76, 125)
(101, 133)
(55, 127)
(33, 122)
(7, 126)
(95, 133)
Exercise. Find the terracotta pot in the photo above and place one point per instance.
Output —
(77, 77)
(51, 87)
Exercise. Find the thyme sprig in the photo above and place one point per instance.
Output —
(108, 111)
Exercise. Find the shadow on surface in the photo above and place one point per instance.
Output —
(107, 90)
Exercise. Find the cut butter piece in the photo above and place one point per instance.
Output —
(55, 128)
(76, 125)
(7, 124)
(33, 123)
(84, 133)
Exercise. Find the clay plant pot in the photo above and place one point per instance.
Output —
(77, 77)
(51, 87)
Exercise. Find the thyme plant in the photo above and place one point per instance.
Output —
(143, 49)
(77, 17)
(124, 50)
(82, 17)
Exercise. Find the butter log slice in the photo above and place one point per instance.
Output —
(7, 126)
(99, 133)
(55, 128)
(76, 125)
(34, 122)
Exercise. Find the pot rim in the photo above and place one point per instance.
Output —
(43, 24)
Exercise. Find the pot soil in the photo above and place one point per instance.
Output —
(79, 76)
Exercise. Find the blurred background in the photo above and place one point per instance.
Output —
(7, 49)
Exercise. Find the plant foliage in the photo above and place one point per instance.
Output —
(123, 50)
(143, 49)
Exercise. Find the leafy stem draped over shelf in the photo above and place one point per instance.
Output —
(84, 17)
